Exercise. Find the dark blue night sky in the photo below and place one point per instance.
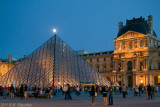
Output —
(89, 25)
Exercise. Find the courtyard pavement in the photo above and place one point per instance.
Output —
(84, 100)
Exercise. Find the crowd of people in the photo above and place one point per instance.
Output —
(94, 91)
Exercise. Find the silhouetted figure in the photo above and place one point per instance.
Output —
(149, 89)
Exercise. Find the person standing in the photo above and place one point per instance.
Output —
(142, 89)
(104, 93)
(146, 90)
(139, 90)
(22, 91)
(66, 95)
(25, 91)
(93, 90)
(136, 90)
(69, 92)
(5, 89)
(12, 91)
(77, 90)
(149, 89)
(111, 94)
(124, 89)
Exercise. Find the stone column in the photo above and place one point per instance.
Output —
(150, 19)
(147, 64)
(120, 25)
(121, 65)
(123, 78)
(148, 77)
(153, 79)
(134, 79)
(145, 79)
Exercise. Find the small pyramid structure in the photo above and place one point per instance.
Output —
(53, 63)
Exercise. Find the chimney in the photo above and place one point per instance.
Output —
(25, 56)
(120, 25)
(150, 19)
(9, 58)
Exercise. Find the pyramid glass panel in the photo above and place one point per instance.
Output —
(53, 63)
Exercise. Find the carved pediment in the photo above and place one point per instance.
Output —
(129, 35)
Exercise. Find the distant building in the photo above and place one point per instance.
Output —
(82, 52)
(8, 64)
(136, 57)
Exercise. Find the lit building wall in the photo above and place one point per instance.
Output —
(136, 57)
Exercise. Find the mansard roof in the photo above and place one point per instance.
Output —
(137, 25)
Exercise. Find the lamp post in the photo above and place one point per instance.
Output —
(54, 31)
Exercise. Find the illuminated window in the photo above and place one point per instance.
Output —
(130, 45)
(119, 67)
(141, 65)
(141, 43)
(120, 46)
(158, 80)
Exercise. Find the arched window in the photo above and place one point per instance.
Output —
(129, 64)
(141, 43)
(130, 45)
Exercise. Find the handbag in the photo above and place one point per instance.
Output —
(95, 94)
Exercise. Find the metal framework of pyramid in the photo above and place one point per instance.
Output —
(56, 63)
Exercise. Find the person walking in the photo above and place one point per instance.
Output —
(142, 89)
(25, 91)
(22, 91)
(136, 90)
(139, 90)
(149, 89)
(104, 93)
(65, 91)
(69, 92)
(5, 89)
(111, 95)
(12, 91)
(77, 90)
(93, 90)
(124, 89)
(146, 90)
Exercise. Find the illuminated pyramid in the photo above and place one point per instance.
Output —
(56, 63)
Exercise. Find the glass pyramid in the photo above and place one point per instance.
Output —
(56, 63)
